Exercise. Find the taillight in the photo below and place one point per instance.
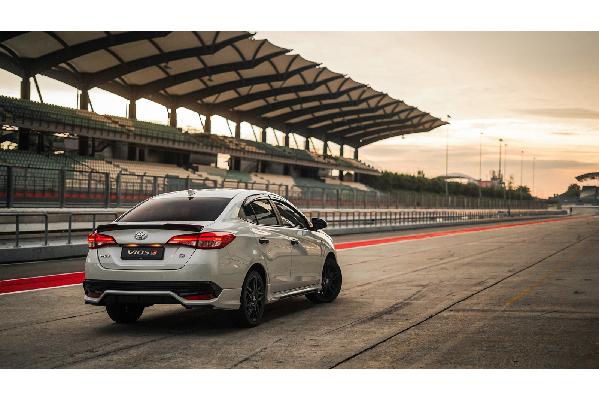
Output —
(206, 240)
(96, 240)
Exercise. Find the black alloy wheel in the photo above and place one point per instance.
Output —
(253, 300)
(331, 283)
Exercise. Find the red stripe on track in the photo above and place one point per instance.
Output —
(40, 282)
(74, 278)
(420, 236)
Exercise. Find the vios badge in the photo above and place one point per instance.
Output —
(141, 235)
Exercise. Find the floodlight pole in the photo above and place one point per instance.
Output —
(533, 175)
(505, 170)
(447, 164)
(480, 165)
(499, 176)
(521, 169)
(507, 193)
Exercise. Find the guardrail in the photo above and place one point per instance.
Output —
(335, 219)
(18, 220)
(392, 218)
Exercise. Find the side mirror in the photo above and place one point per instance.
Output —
(318, 224)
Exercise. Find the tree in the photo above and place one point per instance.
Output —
(573, 191)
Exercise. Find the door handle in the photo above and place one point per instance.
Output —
(294, 241)
(263, 241)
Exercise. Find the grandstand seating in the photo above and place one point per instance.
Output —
(86, 119)
(239, 176)
(99, 165)
(46, 112)
(589, 194)
(44, 167)
(152, 169)
(209, 172)
(19, 108)
(357, 186)
(273, 179)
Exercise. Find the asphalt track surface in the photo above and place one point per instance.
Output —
(524, 296)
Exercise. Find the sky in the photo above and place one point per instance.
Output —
(538, 91)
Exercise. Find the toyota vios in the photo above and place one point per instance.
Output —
(227, 249)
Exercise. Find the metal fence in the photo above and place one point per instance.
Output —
(56, 228)
(39, 230)
(382, 218)
(34, 187)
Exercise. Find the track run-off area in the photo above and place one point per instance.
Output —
(521, 294)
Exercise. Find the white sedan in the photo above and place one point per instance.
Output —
(227, 249)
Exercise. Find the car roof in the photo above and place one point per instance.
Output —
(227, 193)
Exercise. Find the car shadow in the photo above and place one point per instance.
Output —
(180, 321)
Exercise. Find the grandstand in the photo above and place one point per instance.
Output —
(212, 73)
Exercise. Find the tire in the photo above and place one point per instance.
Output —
(253, 300)
(331, 283)
(124, 313)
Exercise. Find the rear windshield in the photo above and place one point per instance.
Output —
(178, 209)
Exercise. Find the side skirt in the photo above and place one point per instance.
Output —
(295, 292)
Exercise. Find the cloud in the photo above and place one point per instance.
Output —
(565, 164)
(565, 133)
(573, 113)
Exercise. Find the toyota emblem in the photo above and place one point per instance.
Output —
(141, 235)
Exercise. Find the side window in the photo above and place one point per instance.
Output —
(246, 212)
(264, 213)
(290, 217)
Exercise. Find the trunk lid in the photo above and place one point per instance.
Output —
(141, 238)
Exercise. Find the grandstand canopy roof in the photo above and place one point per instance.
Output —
(225, 73)
(588, 175)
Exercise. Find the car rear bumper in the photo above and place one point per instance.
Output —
(188, 294)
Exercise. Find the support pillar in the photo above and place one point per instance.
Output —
(263, 135)
(208, 124)
(83, 143)
(236, 161)
(286, 139)
(83, 146)
(238, 130)
(355, 153)
(325, 147)
(172, 117)
(341, 155)
(24, 136)
(26, 89)
(40, 143)
(133, 109)
(307, 144)
(24, 139)
(84, 100)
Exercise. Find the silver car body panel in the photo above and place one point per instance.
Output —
(290, 268)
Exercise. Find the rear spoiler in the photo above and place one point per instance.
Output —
(167, 226)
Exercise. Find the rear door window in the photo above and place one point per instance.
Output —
(264, 212)
(178, 209)
(246, 213)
